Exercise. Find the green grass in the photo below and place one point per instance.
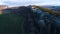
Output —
(10, 24)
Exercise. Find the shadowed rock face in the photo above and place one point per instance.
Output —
(51, 22)
(30, 25)
(22, 11)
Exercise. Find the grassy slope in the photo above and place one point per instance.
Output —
(47, 10)
(10, 24)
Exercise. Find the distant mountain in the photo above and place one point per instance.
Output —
(56, 8)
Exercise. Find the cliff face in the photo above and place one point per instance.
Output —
(2, 7)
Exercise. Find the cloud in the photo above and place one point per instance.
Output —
(29, 2)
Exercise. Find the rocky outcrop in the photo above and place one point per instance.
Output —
(3, 7)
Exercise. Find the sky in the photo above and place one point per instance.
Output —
(29, 2)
